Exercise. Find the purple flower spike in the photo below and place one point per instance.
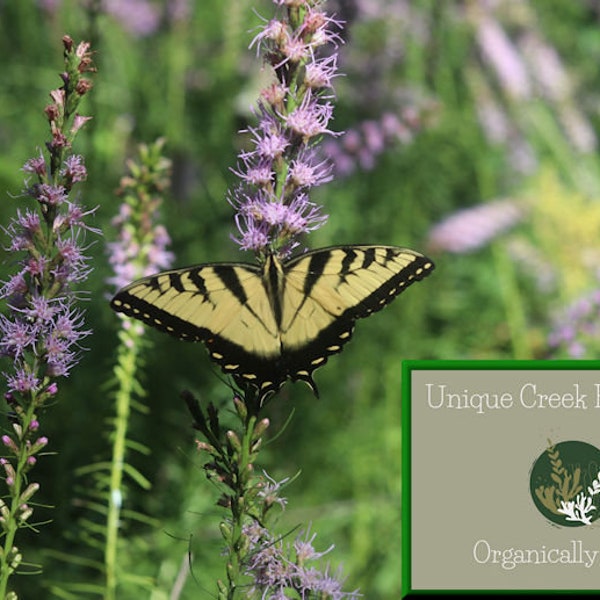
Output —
(41, 327)
(277, 174)
(141, 245)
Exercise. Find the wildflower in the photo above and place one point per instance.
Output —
(140, 248)
(502, 56)
(139, 17)
(41, 332)
(360, 147)
(310, 119)
(275, 566)
(74, 169)
(471, 228)
(576, 329)
(305, 551)
(272, 210)
(319, 73)
(272, 206)
(269, 494)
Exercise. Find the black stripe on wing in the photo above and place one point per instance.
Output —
(418, 269)
(300, 363)
(137, 308)
(266, 373)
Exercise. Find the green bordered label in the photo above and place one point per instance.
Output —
(501, 478)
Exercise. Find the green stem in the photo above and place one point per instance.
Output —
(127, 365)
(8, 565)
(513, 305)
(239, 504)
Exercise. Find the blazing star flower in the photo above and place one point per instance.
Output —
(471, 228)
(360, 147)
(141, 245)
(276, 566)
(139, 17)
(41, 332)
(500, 54)
(277, 174)
(43, 321)
(576, 329)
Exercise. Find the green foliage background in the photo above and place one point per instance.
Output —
(194, 81)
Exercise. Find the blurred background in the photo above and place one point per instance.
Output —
(471, 133)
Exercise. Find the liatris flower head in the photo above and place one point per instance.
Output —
(44, 327)
(360, 147)
(472, 228)
(41, 332)
(141, 245)
(276, 566)
(576, 329)
(272, 203)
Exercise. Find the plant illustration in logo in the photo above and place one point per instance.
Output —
(565, 483)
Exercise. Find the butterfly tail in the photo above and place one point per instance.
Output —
(306, 377)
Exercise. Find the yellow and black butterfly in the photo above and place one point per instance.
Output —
(265, 324)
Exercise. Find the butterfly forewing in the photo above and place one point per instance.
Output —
(222, 305)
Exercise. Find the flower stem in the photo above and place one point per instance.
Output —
(127, 367)
(242, 466)
(10, 557)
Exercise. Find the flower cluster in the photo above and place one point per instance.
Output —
(42, 331)
(41, 334)
(360, 147)
(272, 203)
(140, 18)
(141, 245)
(525, 67)
(255, 552)
(577, 329)
(272, 565)
(469, 229)
(276, 567)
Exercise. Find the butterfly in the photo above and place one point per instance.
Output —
(264, 324)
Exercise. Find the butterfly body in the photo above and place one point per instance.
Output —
(265, 324)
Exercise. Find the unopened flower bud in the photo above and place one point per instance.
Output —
(38, 445)
(18, 430)
(30, 490)
(10, 444)
(234, 441)
(25, 513)
(223, 593)
(240, 407)
(260, 428)
(225, 529)
(204, 446)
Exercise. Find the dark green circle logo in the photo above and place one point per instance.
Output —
(565, 483)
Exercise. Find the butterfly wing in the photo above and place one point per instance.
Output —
(224, 305)
(327, 290)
